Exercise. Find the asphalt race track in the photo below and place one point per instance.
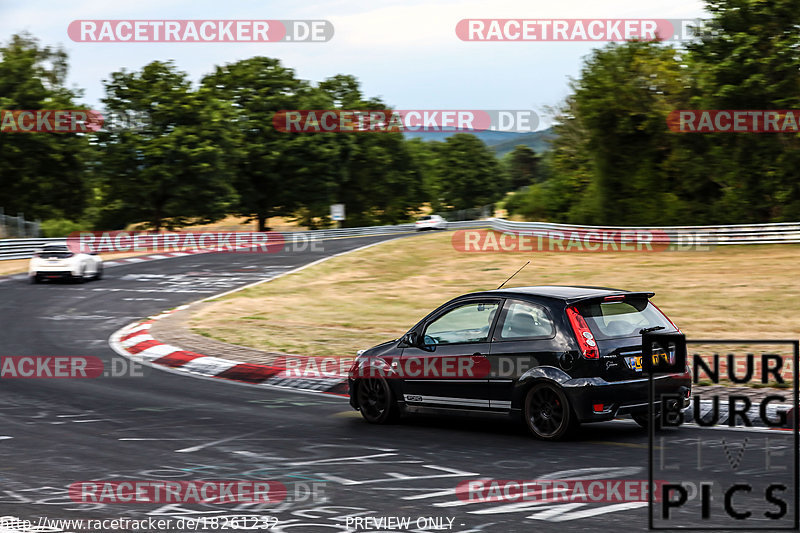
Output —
(55, 432)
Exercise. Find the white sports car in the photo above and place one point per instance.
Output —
(57, 261)
(430, 222)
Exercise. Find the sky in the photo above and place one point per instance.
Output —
(406, 53)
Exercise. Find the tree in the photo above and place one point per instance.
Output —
(470, 175)
(270, 176)
(42, 174)
(522, 166)
(616, 162)
(615, 147)
(747, 58)
(425, 159)
(377, 181)
(175, 170)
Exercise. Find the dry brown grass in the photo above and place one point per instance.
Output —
(359, 299)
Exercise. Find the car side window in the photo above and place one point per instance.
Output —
(466, 323)
(524, 321)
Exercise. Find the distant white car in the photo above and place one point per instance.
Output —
(430, 222)
(57, 261)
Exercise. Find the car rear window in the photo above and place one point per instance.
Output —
(59, 252)
(523, 320)
(426, 217)
(609, 320)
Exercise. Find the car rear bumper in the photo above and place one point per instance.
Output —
(45, 268)
(587, 395)
(53, 274)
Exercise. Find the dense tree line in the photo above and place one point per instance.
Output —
(194, 154)
(616, 162)
(200, 151)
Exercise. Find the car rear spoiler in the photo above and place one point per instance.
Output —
(621, 295)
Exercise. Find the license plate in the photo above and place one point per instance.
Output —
(635, 362)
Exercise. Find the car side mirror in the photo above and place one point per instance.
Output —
(411, 338)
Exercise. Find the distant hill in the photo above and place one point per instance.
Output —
(501, 142)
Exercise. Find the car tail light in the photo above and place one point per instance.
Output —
(583, 334)
(615, 298)
(668, 318)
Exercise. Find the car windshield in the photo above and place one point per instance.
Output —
(55, 251)
(609, 320)
(424, 218)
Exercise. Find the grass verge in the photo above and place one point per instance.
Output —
(359, 299)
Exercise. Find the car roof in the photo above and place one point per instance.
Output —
(567, 293)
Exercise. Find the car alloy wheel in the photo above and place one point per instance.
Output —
(376, 401)
(547, 412)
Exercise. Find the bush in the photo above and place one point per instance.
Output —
(61, 227)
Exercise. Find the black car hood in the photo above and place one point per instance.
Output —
(380, 349)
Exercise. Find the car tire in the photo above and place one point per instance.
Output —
(99, 273)
(35, 279)
(376, 401)
(81, 277)
(547, 412)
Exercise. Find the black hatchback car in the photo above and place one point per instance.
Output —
(556, 356)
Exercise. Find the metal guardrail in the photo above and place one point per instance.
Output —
(24, 248)
(378, 230)
(777, 233)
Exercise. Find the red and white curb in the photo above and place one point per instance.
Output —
(136, 342)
